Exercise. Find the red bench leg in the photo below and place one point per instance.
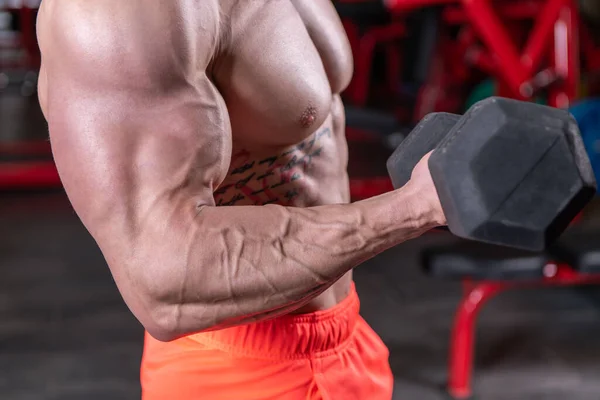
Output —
(463, 333)
(463, 336)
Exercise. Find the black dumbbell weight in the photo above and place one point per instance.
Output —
(508, 172)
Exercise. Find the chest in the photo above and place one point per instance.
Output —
(279, 67)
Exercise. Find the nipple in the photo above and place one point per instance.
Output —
(308, 117)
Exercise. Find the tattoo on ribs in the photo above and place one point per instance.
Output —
(281, 170)
(233, 201)
(243, 168)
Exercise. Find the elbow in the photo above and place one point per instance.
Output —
(156, 306)
(167, 321)
(162, 307)
(162, 323)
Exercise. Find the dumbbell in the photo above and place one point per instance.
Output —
(507, 172)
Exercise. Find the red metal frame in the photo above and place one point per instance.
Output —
(27, 175)
(363, 46)
(566, 58)
(549, 59)
(447, 77)
(400, 6)
(462, 342)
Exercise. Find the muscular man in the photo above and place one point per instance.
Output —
(201, 142)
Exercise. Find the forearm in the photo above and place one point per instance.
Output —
(248, 263)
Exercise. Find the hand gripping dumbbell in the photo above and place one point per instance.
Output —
(508, 172)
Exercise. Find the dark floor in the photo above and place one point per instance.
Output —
(65, 333)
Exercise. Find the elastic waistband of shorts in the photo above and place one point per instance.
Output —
(289, 336)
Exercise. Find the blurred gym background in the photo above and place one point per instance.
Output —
(66, 334)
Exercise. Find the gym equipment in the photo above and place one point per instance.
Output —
(508, 172)
(530, 47)
(488, 271)
(27, 165)
(370, 26)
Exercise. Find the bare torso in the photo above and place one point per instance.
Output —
(281, 85)
(280, 66)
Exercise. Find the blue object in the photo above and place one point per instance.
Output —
(587, 115)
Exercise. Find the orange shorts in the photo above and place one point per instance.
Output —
(331, 354)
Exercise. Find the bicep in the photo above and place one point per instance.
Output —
(121, 155)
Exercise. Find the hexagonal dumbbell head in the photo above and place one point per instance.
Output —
(512, 173)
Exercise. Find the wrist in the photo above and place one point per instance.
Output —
(425, 212)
